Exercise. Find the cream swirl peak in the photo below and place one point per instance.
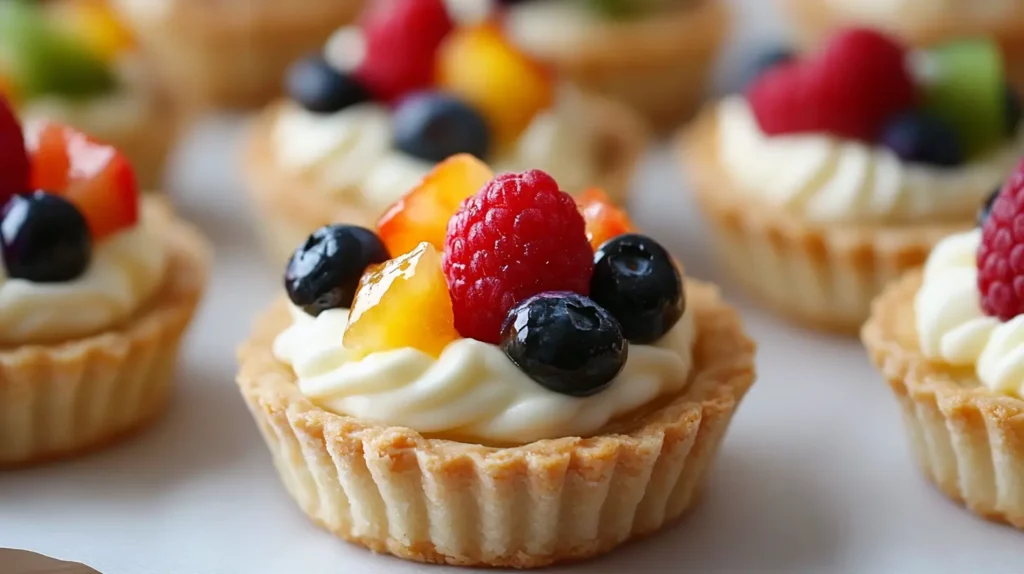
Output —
(951, 326)
(472, 391)
(831, 179)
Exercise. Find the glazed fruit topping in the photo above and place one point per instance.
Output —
(519, 236)
(14, 163)
(324, 272)
(1000, 257)
(402, 38)
(480, 66)
(565, 342)
(423, 213)
(637, 281)
(604, 219)
(986, 208)
(924, 138)
(44, 238)
(851, 89)
(403, 303)
(94, 176)
(434, 126)
(315, 85)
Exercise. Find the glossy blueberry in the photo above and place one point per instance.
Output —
(923, 138)
(434, 126)
(324, 272)
(320, 88)
(986, 208)
(637, 281)
(767, 60)
(565, 342)
(44, 238)
(1013, 110)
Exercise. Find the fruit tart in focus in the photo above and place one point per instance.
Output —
(73, 62)
(921, 23)
(231, 53)
(513, 379)
(948, 341)
(97, 287)
(836, 173)
(412, 84)
(655, 55)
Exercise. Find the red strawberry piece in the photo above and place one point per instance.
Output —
(519, 236)
(402, 37)
(859, 81)
(13, 158)
(94, 176)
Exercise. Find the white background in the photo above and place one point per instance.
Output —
(813, 477)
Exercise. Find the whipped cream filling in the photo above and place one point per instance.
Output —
(951, 326)
(350, 153)
(827, 179)
(472, 391)
(125, 271)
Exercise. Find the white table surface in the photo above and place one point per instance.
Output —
(813, 477)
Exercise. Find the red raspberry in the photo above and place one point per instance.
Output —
(517, 237)
(1001, 253)
(14, 171)
(402, 37)
(858, 82)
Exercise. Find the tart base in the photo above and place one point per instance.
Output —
(823, 276)
(968, 440)
(814, 21)
(660, 65)
(233, 54)
(289, 206)
(393, 490)
(72, 397)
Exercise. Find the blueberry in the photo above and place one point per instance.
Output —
(44, 238)
(923, 138)
(565, 342)
(324, 272)
(767, 60)
(318, 87)
(986, 208)
(1013, 110)
(434, 126)
(636, 279)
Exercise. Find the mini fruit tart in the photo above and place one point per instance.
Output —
(408, 87)
(919, 22)
(96, 291)
(948, 340)
(72, 61)
(231, 53)
(478, 385)
(836, 173)
(655, 55)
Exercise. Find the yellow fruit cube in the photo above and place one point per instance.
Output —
(403, 303)
(479, 65)
(96, 23)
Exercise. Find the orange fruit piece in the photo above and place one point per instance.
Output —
(423, 213)
(479, 65)
(604, 219)
(402, 303)
(96, 23)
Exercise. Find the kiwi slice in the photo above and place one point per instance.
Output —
(625, 8)
(43, 60)
(966, 89)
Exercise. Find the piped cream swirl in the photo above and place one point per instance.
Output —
(126, 269)
(951, 326)
(828, 179)
(472, 391)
